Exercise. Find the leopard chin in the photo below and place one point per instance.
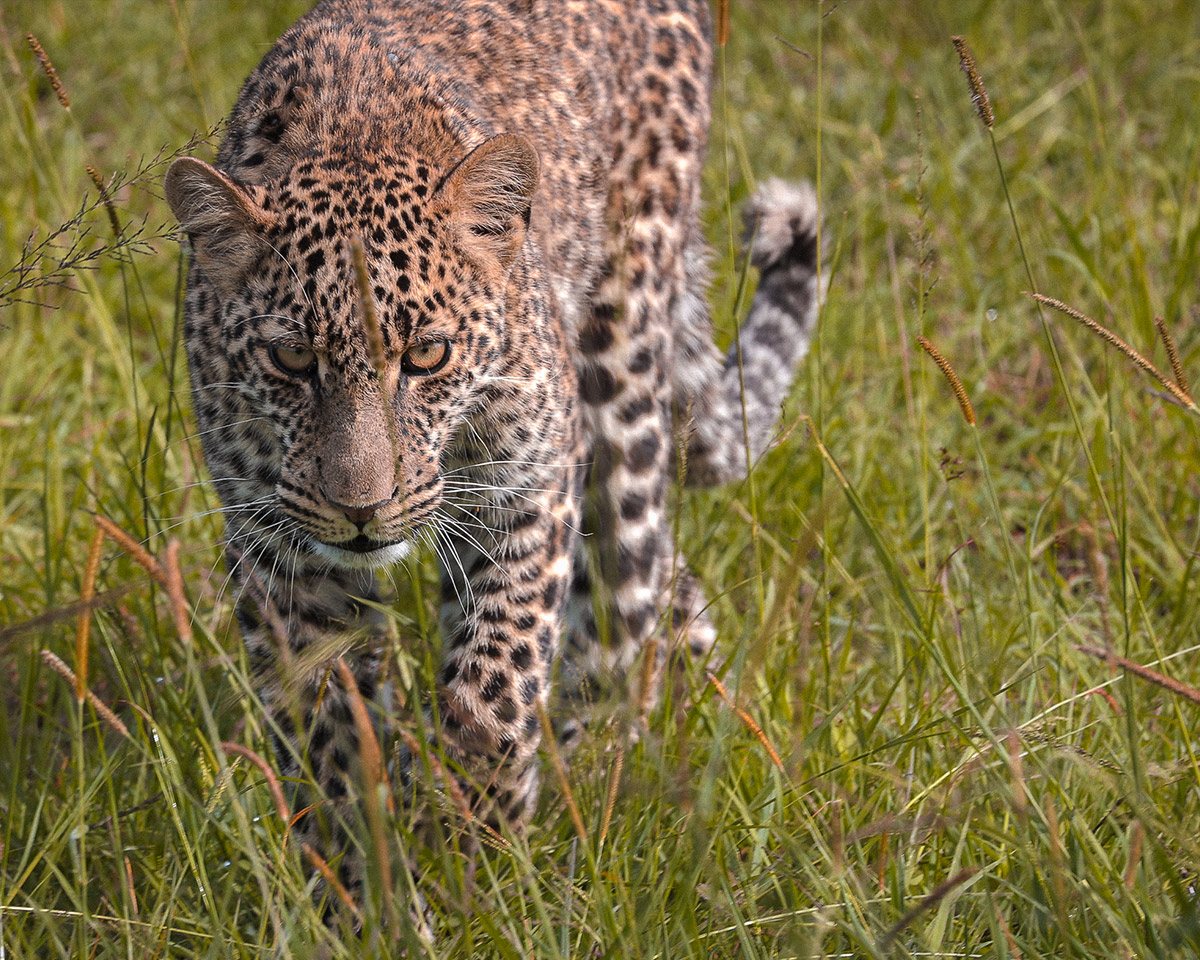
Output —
(362, 553)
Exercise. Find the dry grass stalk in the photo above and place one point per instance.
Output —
(106, 199)
(1179, 395)
(560, 771)
(723, 22)
(68, 611)
(370, 755)
(47, 65)
(375, 777)
(179, 610)
(296, 818)
(1137, 834)
(133, 901)
(1017, 770)
(134, 550)
(979, 94)
(83, 628)
(366, 305)
(932, 899)
(281, 807)
(614, 784)
(1008, 937)
(881, 864)
(1172, 355)
(746, 719)
(374, 337)
(960, 393)
(1107, 698)
(890, 823)
(648, 679)
(335, 884)
(454, 791)
(56, 664)
(1151, 676)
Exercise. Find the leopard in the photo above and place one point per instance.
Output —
(448, 286)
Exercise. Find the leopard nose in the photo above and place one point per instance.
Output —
(359, 516)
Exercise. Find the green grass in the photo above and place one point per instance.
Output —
(899, 594)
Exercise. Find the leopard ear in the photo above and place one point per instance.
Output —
(490, 195)
(222, 220)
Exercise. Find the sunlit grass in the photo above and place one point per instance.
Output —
(907, 753)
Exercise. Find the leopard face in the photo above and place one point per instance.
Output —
(355, 418)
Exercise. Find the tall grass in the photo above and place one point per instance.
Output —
(954, 715)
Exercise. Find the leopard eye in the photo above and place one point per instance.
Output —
(292, 361)
(425, 358)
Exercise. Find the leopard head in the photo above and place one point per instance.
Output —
(349, 418)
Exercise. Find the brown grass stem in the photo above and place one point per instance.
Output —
(746, 719)
(374, 780)
(330, 877)
(560, 771)
(454, 791)
(1058, 866)
(47, 65)
(1145, 673)
(648, 679)
(1009, 939)
(370, 755)
(960, 393)
(374, 337)
(1181, 396)
(179, 608)
(67, 611)
(1137, 834)
(1172, 355)
(55, 663)
(281, 807)
(83, 628)
(129, 887)
(134, 550)
(932, 899)
(1016, 769)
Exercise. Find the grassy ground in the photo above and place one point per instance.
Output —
(940, 770)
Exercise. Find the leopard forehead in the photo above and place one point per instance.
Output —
(420, 284)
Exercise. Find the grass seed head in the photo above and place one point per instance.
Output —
(47, 65)
(1177, 392)
(979, 94)
(55, 663)
(1183, 690)
(1172, 355)
(106, 199)
(960, 393)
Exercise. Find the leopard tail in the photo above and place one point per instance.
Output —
(730, 420)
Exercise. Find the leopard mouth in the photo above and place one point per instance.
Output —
(364, 544)
(362, 552)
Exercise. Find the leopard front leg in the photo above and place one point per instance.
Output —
(300, 621)
(505, 583)
(624, 355)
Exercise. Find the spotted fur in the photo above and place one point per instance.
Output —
(522, 179)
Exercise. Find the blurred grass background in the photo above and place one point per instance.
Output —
(900, 595)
